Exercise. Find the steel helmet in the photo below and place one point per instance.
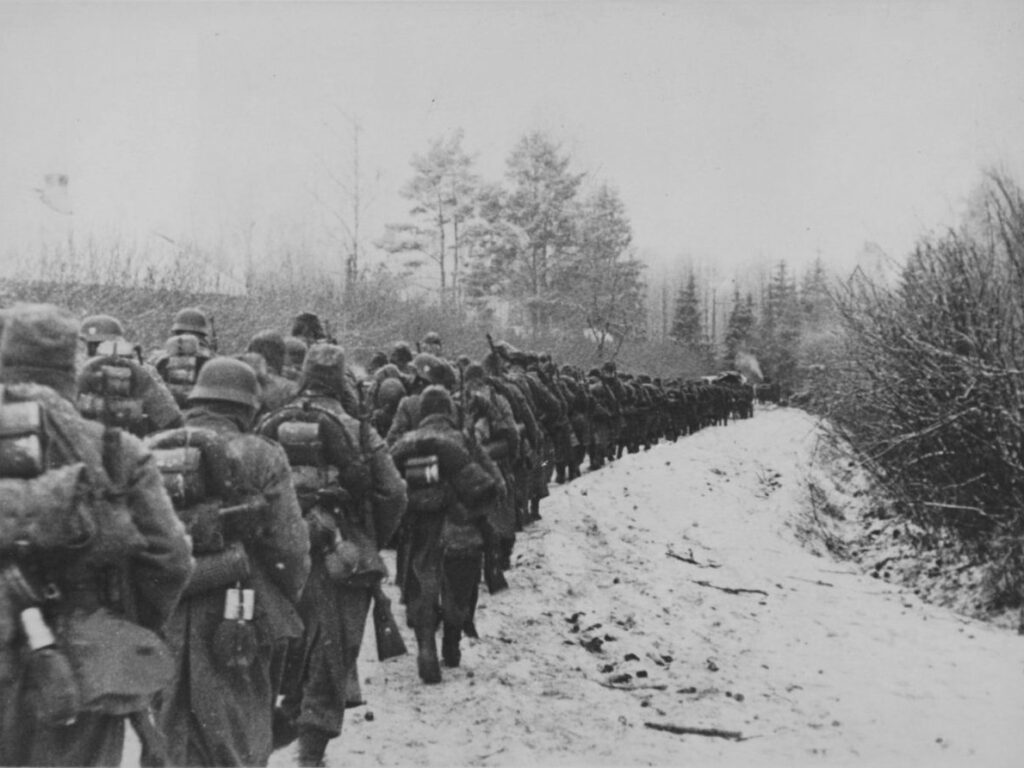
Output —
(191, 320)
(400, 353)
(389, 393)
(228, 380)
(97, 328)
(434, 370)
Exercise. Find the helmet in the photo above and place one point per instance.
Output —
(307, 325)
(97, 328)
(436, 399)
(229, 380)
(400, 353)
(434, 370)
(191, 320)
(390, 392)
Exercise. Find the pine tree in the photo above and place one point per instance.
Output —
(780, 329)
(443, 192)
(739, 334)
(686, 324)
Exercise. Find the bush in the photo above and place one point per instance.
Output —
(929, 387)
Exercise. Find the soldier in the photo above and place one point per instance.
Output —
(491, 423)
(446, 486)
(532, 437)
(116, 388)
(190, 345)
(278, 390)
(385, 399)
(602, 419)
(353, 499)
(431, 344)
(235, 491)
(401, 356)
(427, 370)
(195, 322)
(102, 329)
(106, 594)
(310, 330)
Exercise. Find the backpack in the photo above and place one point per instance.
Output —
(108, 392)
(332, 482)
(324, 459)
(179, 365)
(64, 524)
(59, 492)
(202, 477)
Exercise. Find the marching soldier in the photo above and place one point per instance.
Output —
(106, 595)
(449, 493)
(234, 490)
(353, 500)
(116, 388)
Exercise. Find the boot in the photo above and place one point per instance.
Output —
(450, 646)
(560, 473)
(312, 745)
(426, 659)
(283, 729)
(534, 509)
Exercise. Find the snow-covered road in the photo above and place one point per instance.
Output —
(671, 588)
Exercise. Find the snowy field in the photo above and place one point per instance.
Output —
(672, 589)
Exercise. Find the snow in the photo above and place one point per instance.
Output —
(810, 659)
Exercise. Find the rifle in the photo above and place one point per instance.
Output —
(494, 349)
(385, 628)
(493, 576)
(213, 335)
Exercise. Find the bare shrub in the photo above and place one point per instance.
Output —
(929, 386)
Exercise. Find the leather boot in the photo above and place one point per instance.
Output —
(426, 660)
(312, 745)
(283, 728)
(450, 646)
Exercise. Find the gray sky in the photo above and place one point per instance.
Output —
(733, 130)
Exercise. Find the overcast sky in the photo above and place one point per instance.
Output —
(733, 130)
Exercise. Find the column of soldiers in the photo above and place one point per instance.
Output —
(192, 541)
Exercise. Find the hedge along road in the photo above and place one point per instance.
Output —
(670, 592)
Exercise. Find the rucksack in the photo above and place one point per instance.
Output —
(321, 453)
(332, 482)
(62, 507)
(202, 477)
(179, 365)
(58, 490)
(108, 392)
